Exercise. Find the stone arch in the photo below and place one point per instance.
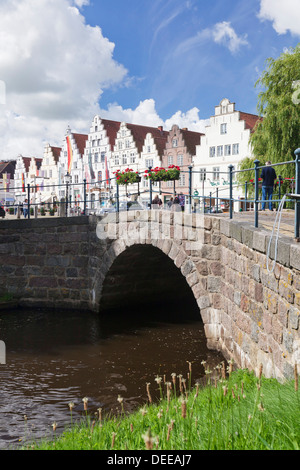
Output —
(174, 250)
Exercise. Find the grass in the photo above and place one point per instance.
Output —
(239, 412)
(6, 297)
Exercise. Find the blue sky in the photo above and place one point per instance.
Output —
(169, 50)
(152, 62)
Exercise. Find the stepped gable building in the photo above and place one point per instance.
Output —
(22, 177)
(129, 151)
(49, 175)
(226, 142)
(151, 156)
(71, 165)
(179, 151)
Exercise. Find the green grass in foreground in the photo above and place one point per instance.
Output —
(241, 412)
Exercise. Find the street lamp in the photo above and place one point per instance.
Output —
(67, 180)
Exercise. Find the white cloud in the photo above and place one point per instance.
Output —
(285, 15)
(223, 33)
(55, 68)
(146, 114)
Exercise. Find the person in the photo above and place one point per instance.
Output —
(157, 202)
(268, 176)
(181, 201)
(176, 205)
(25, 208)
(170, 203)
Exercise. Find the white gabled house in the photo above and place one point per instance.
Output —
(226, 142)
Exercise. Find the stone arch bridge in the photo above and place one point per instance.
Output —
(250, 314)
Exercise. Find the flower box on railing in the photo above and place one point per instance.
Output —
(127, 176)
(161, 174)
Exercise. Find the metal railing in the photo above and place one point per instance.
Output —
(68, 206)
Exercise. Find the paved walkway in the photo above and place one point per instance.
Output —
(266, 220)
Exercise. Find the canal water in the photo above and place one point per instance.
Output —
(57, 357)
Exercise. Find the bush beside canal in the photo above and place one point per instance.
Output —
(239, 412)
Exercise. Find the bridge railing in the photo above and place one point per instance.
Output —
(26, 199)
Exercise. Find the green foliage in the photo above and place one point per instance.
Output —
(276, 137)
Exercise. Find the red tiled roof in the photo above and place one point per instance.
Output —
(191, 140)
(26, 161)
(250, 120)
(111, 128)
(80, 140)
(139, 134)
(56, 153)
(8, 167)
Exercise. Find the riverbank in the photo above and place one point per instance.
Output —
(239, 412)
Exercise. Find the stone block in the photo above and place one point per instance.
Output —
(259, 241)
(295, 256)
(294, 315)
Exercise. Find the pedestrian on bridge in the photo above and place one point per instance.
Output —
(268, 176)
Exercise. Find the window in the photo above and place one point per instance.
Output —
(76, 179)
(102, 157)
(124, 160)
(127, 144)
(116, 160)
(96, 157)
(149, 162)
(224, 128)
(181, 180)
(220, 151)
(227, 150)
(132, 158)
(170, 159)
(179, 160)
(175, 143)
(216, 174)
(149, 148)
(120, 145)
(202, 174)
(50, 173)
(235, 149)
(212, 151)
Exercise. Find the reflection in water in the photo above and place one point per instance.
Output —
(55, 357)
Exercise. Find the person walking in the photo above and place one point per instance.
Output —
(181, 198)
(170, 203)
(268, 176)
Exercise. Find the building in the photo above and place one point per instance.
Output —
(132, 151)
(180, 150)
(226, 142)
(48, 177)
(71, 172)
(151, 156)
(7, 171)
(97, 160)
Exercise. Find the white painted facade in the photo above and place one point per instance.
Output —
(97, 161)
(125, 155)
(77, 175)
(226, 142)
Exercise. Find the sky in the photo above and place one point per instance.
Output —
(148, 62)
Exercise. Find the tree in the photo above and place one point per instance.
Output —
(277, 136)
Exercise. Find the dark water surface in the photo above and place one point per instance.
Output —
(53, 358)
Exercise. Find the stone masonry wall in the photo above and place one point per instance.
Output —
(249, 314)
